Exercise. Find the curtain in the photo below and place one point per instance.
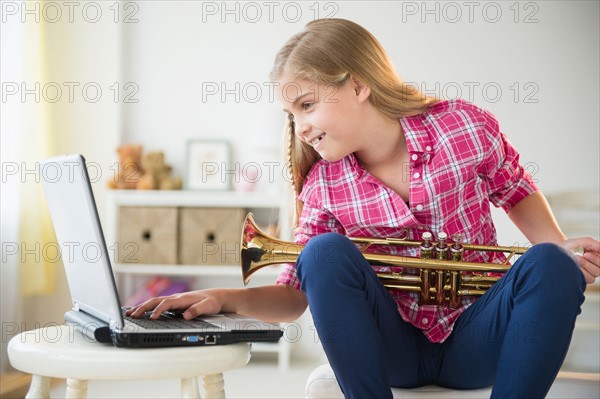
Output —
(28, 262)
(39, 256)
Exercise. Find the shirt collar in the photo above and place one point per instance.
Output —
(415, 132)
(356, 166)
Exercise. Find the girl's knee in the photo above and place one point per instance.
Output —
(327, 242)
(327, 256)
(324, 252)
(553, 263)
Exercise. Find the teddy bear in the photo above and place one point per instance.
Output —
(129, 171)
(157, 173)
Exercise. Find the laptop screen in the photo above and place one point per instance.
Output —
(79, 234)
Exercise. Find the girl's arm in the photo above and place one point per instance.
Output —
(533, 216)
(276, 303)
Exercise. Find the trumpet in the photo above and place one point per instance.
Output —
(438, 279)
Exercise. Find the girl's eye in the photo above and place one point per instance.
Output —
(307, 105)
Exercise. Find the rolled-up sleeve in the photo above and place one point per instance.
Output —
(507, 180)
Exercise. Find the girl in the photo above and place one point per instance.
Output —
(372, 157)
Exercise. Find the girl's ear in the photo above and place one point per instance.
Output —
(361, 91)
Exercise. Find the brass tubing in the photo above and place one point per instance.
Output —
(471, 292)
(476, 286)
(409, 243)
(425, 287)
(480, 279)
(454, 287)
(401, 287)
(398, 277)
(437, 277)
(439, 287)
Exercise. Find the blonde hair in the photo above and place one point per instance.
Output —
(327, 52)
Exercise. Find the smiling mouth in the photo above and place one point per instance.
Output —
(317, 140)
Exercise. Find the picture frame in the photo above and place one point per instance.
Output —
(207, 163)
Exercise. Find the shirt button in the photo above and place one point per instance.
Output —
(424, 320)
(419, 207)
(428, 148)
(414, 157)
(420, 227)
(417, 175)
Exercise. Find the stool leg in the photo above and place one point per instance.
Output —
(189, 388)
(76, 388)
(214, 387)
(39, 388)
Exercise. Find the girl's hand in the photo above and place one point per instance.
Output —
(194, 303)
(587, 252)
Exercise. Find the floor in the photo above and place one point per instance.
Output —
(261, 378)
(14, 385)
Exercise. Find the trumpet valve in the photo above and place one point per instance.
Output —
(440, 291)
(457, 249)
(425, 286)
(441, 249)
(426, 248)
(454, 287)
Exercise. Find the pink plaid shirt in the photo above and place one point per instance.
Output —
(459, 163)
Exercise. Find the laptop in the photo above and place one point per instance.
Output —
(96, 311)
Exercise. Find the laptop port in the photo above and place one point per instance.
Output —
(210, 340)
(191, 338)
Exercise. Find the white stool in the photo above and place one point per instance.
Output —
(322, 384)
(63, 352)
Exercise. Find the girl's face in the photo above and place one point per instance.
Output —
(325, 117)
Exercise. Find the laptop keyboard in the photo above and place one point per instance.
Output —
(170, 321)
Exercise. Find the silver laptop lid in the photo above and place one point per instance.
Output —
(79, 235)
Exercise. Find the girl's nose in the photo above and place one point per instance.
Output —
(301, 129)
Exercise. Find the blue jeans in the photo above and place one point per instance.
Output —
(515, 337)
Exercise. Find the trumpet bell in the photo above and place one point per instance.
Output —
(259, 249)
